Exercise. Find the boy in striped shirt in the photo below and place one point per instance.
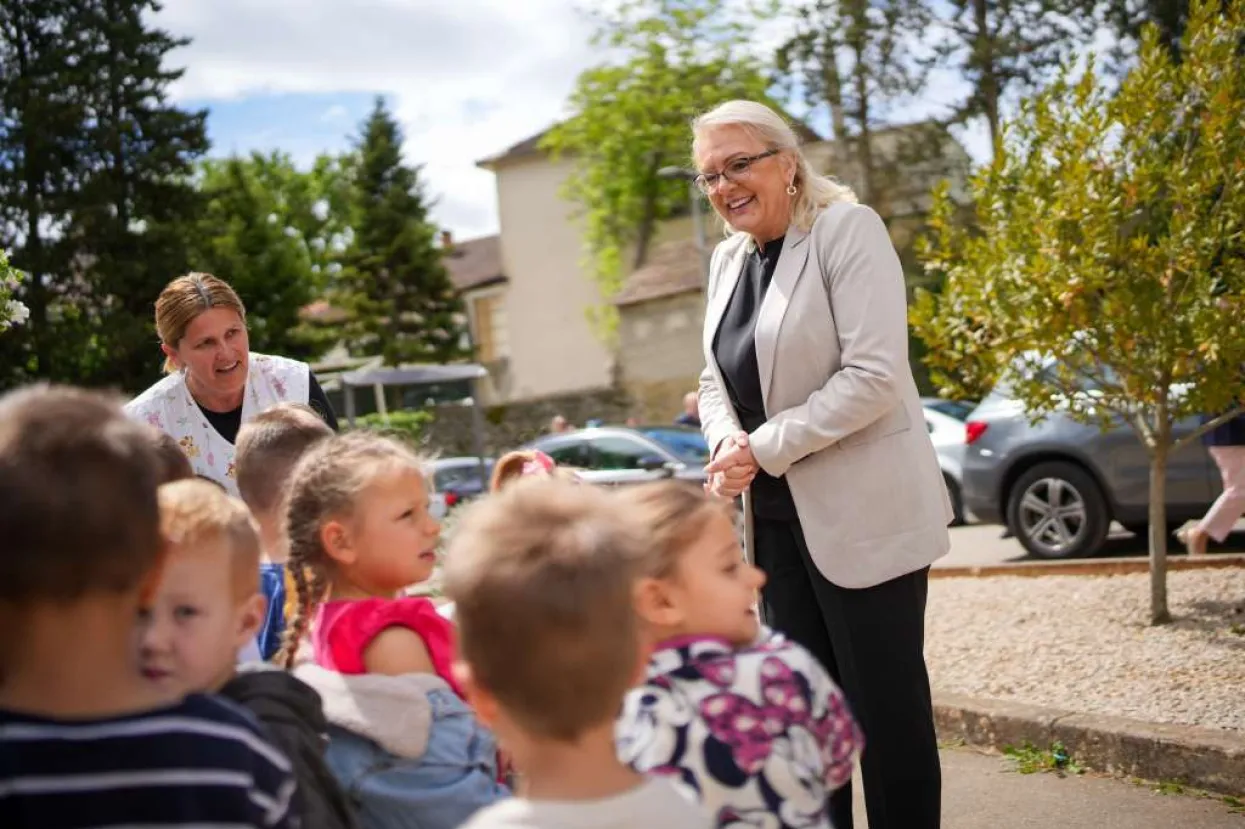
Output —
(85, 740)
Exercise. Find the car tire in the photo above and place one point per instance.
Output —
(957, 502)
(1056, 510)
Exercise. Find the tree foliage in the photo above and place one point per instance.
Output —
(1000, 46)
(96, 191)
(266, 228)
(854, 59)
(12, 311)
(1112, 238)
(630, 116)
(393, 284)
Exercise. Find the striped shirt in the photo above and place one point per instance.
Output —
(201, 763)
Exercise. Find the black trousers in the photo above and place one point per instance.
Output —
(872, 642)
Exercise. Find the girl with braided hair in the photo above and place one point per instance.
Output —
(402, 742)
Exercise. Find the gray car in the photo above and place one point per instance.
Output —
(616, 455)
(1058, 485)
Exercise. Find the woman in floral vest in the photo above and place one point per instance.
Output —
(215, 383)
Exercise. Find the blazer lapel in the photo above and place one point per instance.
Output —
(774, 306)
(727, 282)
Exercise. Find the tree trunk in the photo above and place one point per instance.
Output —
(864, 134)
(1159, 613)
(832, 82)
(988, 82)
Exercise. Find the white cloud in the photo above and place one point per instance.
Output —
(466, 79)
(335, 114)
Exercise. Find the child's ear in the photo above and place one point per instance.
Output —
(250, 619)
(335, 538)
(655, 603)
(480, 700)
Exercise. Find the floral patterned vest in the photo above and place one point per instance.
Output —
(169, 407)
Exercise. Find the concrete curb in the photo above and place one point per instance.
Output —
(1202, 758)
(1089, 566)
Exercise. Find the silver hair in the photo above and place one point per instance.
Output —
(814, 192)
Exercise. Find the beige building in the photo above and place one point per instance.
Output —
(542, 312)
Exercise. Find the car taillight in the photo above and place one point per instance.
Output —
(451, 498)
(973, 430)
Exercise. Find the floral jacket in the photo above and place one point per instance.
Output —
(760, 736)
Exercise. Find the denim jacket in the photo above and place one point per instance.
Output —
(406, 750)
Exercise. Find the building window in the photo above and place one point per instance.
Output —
(488, 315)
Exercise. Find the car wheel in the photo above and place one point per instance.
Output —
(957, 502)
(1057, 510)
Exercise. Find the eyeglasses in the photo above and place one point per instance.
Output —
(736, 170)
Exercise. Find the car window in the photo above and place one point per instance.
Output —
(569, 454)
(453, 476)
(617, 452)
(688, 445)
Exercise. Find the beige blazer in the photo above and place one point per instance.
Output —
(845, 425)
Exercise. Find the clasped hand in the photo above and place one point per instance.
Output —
(733, 467)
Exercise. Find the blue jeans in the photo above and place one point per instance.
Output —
(456, 775)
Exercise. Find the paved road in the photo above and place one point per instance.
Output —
(981, 792)
(980, 544)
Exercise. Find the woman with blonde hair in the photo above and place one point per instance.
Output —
(215, 383)
(811, 413)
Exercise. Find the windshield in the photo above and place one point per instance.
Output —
(688, 445)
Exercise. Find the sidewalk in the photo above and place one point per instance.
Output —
(981, 792)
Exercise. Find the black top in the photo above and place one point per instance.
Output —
(228, 423)
(197, 763)
(735, 348)
(291, 712)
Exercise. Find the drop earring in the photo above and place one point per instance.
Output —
(791, 189)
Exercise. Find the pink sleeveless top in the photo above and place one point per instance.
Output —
(342, 630)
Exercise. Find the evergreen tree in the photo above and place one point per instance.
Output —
(138, 203)
(397, 294)
(41, 118)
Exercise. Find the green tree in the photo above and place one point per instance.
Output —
(853, 57)
(629, 118)
(41, 118)
(393, 284)
(1112, 238)
(12, 311)
(1000, 46)
(136, 211)
(260, 231)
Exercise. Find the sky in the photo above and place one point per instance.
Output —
(465, 78)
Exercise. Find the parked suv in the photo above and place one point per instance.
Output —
(1058, 484)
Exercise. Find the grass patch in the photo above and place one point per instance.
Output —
(1029, 759)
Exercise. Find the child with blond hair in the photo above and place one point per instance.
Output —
(746, 721)
(207, 605)
(402, 743)
(542, 576)
(269, 446)
(527, 463)
(83, 736)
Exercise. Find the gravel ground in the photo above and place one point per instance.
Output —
(1082, 643)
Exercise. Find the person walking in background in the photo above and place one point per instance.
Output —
(690, 416)
(558, 425)
(809, 407)
(1226, 444)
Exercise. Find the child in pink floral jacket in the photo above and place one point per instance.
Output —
(744, 721)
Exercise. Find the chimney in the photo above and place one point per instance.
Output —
(447, 240)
